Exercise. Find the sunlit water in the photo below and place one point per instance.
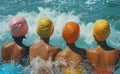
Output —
(84, 12)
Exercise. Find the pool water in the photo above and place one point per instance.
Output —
(84, 12)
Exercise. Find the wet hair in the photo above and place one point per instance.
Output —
(104, 45)
(80, 51)
(24, 58)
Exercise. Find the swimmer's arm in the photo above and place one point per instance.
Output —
(57, 56)
(32, 54)
(57, 53)
(117, 65)
(119, 56)
(118, 61)
(3, 52)
(92, 59)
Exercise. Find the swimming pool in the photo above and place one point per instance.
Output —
(85, 12)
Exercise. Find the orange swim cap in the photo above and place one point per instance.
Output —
(71, 32)
(101, 30)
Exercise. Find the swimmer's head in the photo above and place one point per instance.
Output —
(71, 32)
(18, 26)
(101, 30)
(45, 27)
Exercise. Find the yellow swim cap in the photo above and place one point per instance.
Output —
(45, 28)
(101, 30)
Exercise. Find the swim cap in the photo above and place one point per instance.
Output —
(101, 30)
(71, 32)
(18, 26)
(45, 28)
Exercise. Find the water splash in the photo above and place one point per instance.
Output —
(76, 11)
(91, 1)
(40, 66)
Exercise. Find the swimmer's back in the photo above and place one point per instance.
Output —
(43, 50)
(11, 51)
(69, 55)
(103, 58)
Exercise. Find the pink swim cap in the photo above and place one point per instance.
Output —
(18, 26)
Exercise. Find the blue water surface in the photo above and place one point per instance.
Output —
(84, 12)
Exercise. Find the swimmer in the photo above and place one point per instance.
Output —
(16, 50)
(72, 54)
(43, 49)
(103, 57)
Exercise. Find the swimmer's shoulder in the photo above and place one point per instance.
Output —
(116, 49)
(57, 48)
(91, 52)
(8, 45)
(34, 46)
(60, 55)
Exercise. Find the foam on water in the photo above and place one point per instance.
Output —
(47, 1)
(91, 1)
(39, 65)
